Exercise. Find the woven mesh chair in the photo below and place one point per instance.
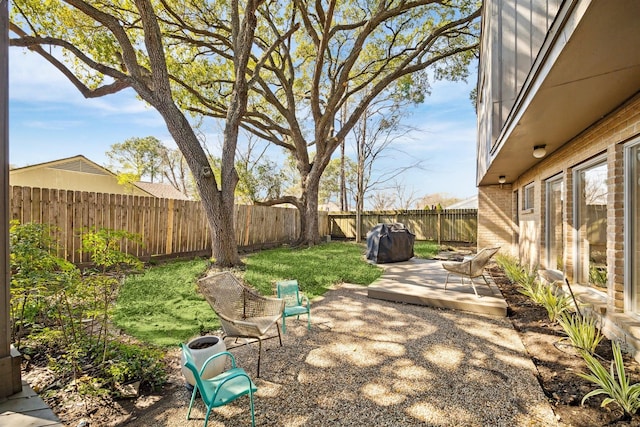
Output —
(243, 312)
(470, 268)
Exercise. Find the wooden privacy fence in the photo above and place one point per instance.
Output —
(452, 225)
(167, 227)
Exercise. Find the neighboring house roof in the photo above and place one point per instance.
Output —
(161, 190)
(330, 207)
(77, 163)
(470, 203)
(75, 173)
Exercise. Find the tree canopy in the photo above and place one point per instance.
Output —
(282, 70)
(103, 47)
(327, 62)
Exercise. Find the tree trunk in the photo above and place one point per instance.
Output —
(309, 233)
(343, 185)
(360, 148)
(223, 244)
(217, 208)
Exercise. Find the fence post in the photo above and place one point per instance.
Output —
(439, 228)
(247, 225)
(170, 216)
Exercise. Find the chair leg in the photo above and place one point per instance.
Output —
(260, 354)
(446, 281)
(206, 417)
(193, 398)
(278, 329)
(253, 417)
(309, 320)
(473, 285)
(284, 325)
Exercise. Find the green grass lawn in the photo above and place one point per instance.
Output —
(162, 306)
(425, 249)
(316, 268)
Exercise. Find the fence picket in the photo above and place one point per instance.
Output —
(453, 225)
(172, 227)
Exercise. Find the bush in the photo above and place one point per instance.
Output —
(64, 314)
(38, 278)
(553, 300)
(129, 362)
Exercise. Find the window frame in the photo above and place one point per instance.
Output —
(528, 200)
(575, 173)
(628, 224)
(547, 203)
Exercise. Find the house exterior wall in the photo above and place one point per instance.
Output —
(564, 75)
(512, 38)
(496, 226)
(71, 180)
(604, 138)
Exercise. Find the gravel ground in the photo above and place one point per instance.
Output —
(368, 362)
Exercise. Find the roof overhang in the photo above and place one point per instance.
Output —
(588, 66)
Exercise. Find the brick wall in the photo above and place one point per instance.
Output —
(605, 138)
(496, 225)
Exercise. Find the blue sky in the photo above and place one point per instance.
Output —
(49, 120)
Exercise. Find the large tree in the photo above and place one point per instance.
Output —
(103, 47)
(318, 81)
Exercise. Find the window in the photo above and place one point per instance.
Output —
(590, 200)
(527, 197)
(632, 224)
(554, 214)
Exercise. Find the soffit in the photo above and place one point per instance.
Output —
(597, 69)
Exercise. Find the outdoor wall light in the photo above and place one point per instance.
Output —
(502, 179)
(539, 151)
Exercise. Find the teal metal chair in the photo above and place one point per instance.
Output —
(295, 302)
(221, 389)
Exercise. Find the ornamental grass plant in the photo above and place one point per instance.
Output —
(613, 383)
(581, 331)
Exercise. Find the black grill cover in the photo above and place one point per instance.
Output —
(390, 243)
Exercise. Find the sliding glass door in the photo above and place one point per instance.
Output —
(590, 201)
(632, 224)
(554, 216)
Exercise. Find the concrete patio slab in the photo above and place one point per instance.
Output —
(421, 282)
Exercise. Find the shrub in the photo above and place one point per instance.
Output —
(510, 266)
(129, 362)
(65, 315)
(613, 383)
(38, 277)
(533, 290)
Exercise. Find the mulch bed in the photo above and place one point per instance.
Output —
(557, 363)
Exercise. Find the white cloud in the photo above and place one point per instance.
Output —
(52, 124)
(35, 81)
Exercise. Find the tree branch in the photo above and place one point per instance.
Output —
(35, 44)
